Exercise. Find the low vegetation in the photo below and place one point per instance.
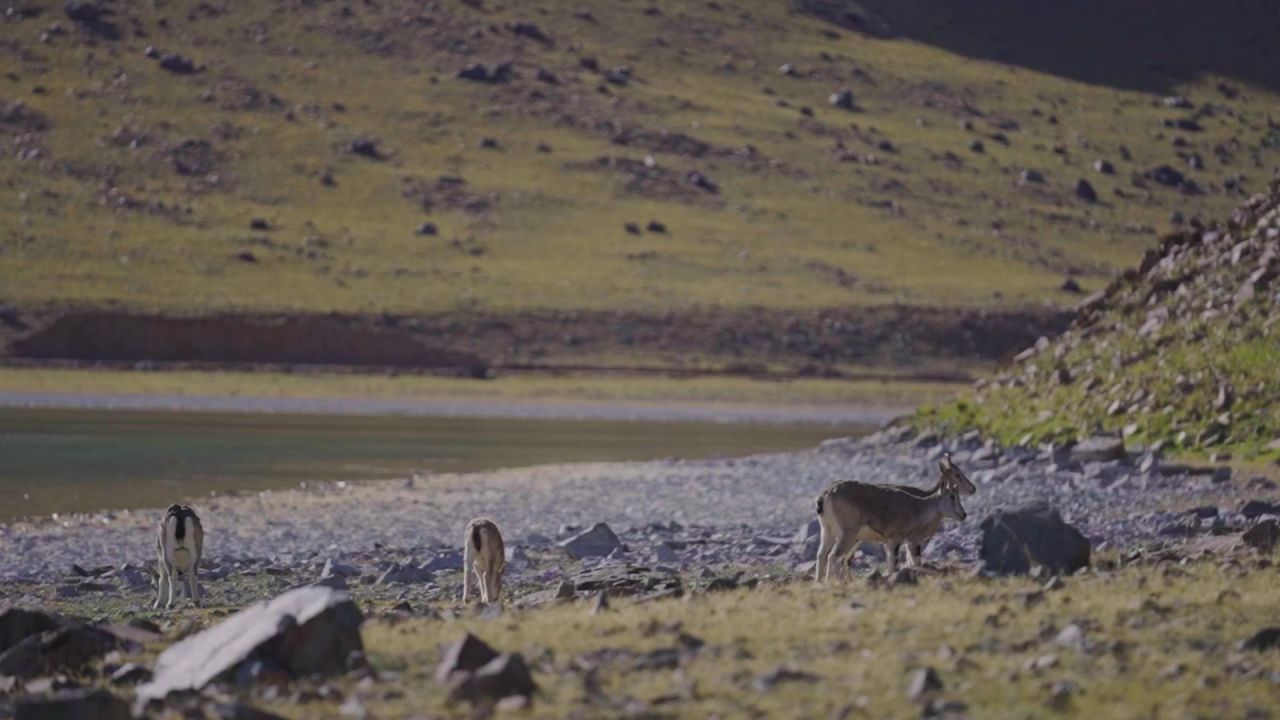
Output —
(889, 392)
(1154, 637)
(1181, 353)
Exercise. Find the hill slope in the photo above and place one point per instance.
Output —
(472, 157)
(1181, 351)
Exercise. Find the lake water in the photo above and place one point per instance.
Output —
(83, 460)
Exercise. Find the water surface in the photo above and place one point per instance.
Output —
(82, 460)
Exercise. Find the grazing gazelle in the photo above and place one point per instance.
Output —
(948, 471)
(851, 512)
(179, 545)
(485, 557)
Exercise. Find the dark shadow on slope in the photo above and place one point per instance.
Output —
(1131, 44)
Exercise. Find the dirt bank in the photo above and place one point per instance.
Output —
(809, 342)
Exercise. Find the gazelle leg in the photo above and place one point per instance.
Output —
(824, 546)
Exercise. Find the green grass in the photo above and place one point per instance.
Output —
(554, 237)
(1183, 380)
(890, 392)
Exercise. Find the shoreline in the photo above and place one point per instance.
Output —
(507, 408)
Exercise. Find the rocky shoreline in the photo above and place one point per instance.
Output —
(693, 518)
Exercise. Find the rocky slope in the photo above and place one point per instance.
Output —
(1180, 352)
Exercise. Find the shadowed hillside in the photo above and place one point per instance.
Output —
(1126, 44)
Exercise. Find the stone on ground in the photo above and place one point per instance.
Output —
(305, 631)
(1014, 542)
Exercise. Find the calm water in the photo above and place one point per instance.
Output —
(78, 460)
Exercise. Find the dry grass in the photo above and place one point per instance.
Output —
(860, 643)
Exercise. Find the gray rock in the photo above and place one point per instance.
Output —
(83, 11)
(565, 590)
(1263, 536)
(17, 624)
(783, 674)
(449, 560)
(333, 582)
(1099, 448)
(79, 704)
(1085, 191)
(1071, 636)
(305, 631)
(842, 99)
(503, 677)
(923, 683)
(1013, 542)
(599, 541)
(665, 555)
(1264, 639)
(401, 575)
(340, 569)
(132, 578)
(65, 649)
(466, 655)
(1258, 508)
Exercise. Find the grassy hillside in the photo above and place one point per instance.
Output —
(345, 127)
(1181, 351)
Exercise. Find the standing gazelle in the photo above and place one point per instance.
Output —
(179, 545)
(948, 472)
(851, 512)
(485, 557)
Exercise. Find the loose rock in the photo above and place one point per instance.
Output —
(305, 631)
(1012, 542)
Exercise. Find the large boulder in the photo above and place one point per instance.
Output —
(1014, 542)
(80, 704)
(307, 630)
(599, 541)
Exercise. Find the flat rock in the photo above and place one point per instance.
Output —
(599, 541)
(404, 575)
(622, 580)
(1013, 542)
(305, 631)
(449, 560)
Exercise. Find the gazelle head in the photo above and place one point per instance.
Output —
(953, 475)
(951, 506)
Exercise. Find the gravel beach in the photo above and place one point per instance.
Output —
(749, 510)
